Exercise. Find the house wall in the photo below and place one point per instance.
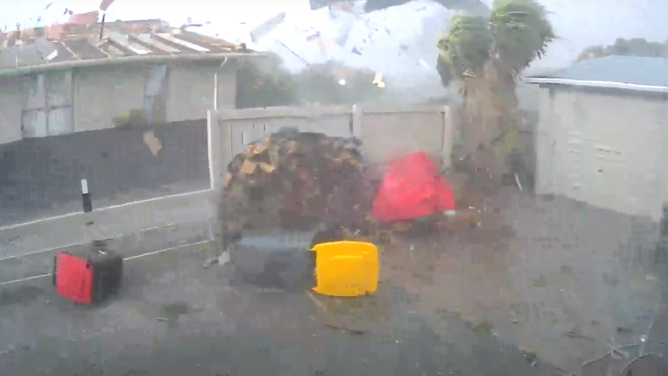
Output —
(89, 98)
(603, 148)
(101, 93)
(10, 109)
(192, 90)
(56, 129)
(528, 97)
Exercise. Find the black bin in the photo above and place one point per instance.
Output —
(280, 259)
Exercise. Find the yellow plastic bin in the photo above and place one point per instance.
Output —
(346, 268)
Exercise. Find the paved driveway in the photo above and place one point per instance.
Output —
(560, 278)
(176, 318)
(565, 281)
(18, 240)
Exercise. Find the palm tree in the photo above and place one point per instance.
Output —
(485, 56)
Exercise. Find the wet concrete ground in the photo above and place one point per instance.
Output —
(103, 223)
(559, 279)
(174, 318)
(21, 214)
(553, 276)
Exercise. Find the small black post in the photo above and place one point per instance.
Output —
(85, 197)
(104, 15)
(663, 224)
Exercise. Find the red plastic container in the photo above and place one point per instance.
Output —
(412, 187)
(89, 275)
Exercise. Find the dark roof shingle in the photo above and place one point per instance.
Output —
(120, 40)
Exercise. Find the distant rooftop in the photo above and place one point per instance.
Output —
(71, 45)
(621, 72)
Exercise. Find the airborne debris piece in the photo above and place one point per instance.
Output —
(267, 26)
(153, 143)
(105, 4)
(378, 80)
(52, 55)
(87, 18)
(224, 258)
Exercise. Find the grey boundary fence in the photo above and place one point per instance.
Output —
(386, 131)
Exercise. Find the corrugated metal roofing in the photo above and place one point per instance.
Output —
(650, 71)
(76, 43)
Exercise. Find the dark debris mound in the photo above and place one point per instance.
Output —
(296, 180)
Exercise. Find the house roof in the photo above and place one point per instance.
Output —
(78, 45)
(648, 74)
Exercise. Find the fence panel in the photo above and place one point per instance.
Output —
(389, 133)
(231, 130)
(385, 132)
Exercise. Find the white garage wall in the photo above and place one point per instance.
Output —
(605, 149)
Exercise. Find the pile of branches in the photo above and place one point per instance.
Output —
(296, 180)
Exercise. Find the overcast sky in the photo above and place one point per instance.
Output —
(253, 11)
(579, 23)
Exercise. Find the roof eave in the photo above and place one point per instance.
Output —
(596, 84)
(141, 59)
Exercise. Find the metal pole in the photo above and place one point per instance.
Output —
(104, 15)
(215, 91)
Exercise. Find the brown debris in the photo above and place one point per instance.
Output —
(294, 179)
(152, 142)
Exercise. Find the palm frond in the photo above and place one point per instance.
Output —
(444, 70)
(466, 45)
(521, 31)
